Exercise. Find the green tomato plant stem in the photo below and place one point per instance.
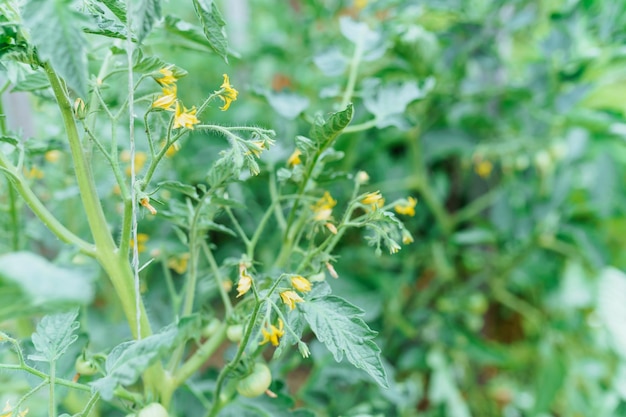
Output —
(52, 404)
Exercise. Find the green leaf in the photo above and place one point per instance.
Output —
(32, 282)
(213, 25)
(611, 306)
(325, 132)
(186, 189)
(145, 13)
(263, 406)
(332, 62)
(147, 64)
(288, 104)
(54, 335)
(551, 375)
(335, 322)
(55, 31)
(117, 7)
(10, 140)
(104, 26)
(388, 102)
(185, 30)
(32, 82)
(443, 388)
(127, 361)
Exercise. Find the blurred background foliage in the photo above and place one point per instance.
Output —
(505, 119)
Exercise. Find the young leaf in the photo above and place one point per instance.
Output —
(129, 360)
(55, 31)
(146, 12)
(325, 132)
(213, 26)
(335, 322)
(54, 335)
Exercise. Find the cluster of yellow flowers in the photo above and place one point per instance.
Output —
(290, 297)
(169, 101)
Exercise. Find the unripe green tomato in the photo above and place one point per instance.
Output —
(211, 327)
(153, 410)
(234, 332)
(256, 383)
(85, 366)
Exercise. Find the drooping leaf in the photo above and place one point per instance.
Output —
(324, 132)
(186, 189)
(104, 26)
(336, 323)
(55, 333)
(10, 140)
(55, 31)
(263, 406)
(213, 25)
(127, 361)
(145, 14)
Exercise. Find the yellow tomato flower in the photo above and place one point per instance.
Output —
(167, 99)
(34, 173)
(394, 247)
(290, 298)
(483, 169)
(294, 159)
(300, 283)
(172, 150)
(142, 238)
(245, 281)
(331, 227)
(179, 263)
(227, 93)
(273, 334)
(53, 156)
(140, 161)
(185, 118)
(7, 411)
(372, 198)
(407, 208)
(166, 78)
(323, 208)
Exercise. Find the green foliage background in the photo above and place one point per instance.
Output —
(510, 301)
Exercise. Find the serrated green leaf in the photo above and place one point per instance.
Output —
(127, 361)
(117, 7)
(55, 333)
(145, 13)
(55, 31)
(324, 132)
(335, 322)
(213, 25)
(145, 64)
(104, 26)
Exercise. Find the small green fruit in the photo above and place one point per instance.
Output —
(256, 383)
(234, 332)
(153, 410)
(85, 366)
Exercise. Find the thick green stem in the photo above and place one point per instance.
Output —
(199, 357)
